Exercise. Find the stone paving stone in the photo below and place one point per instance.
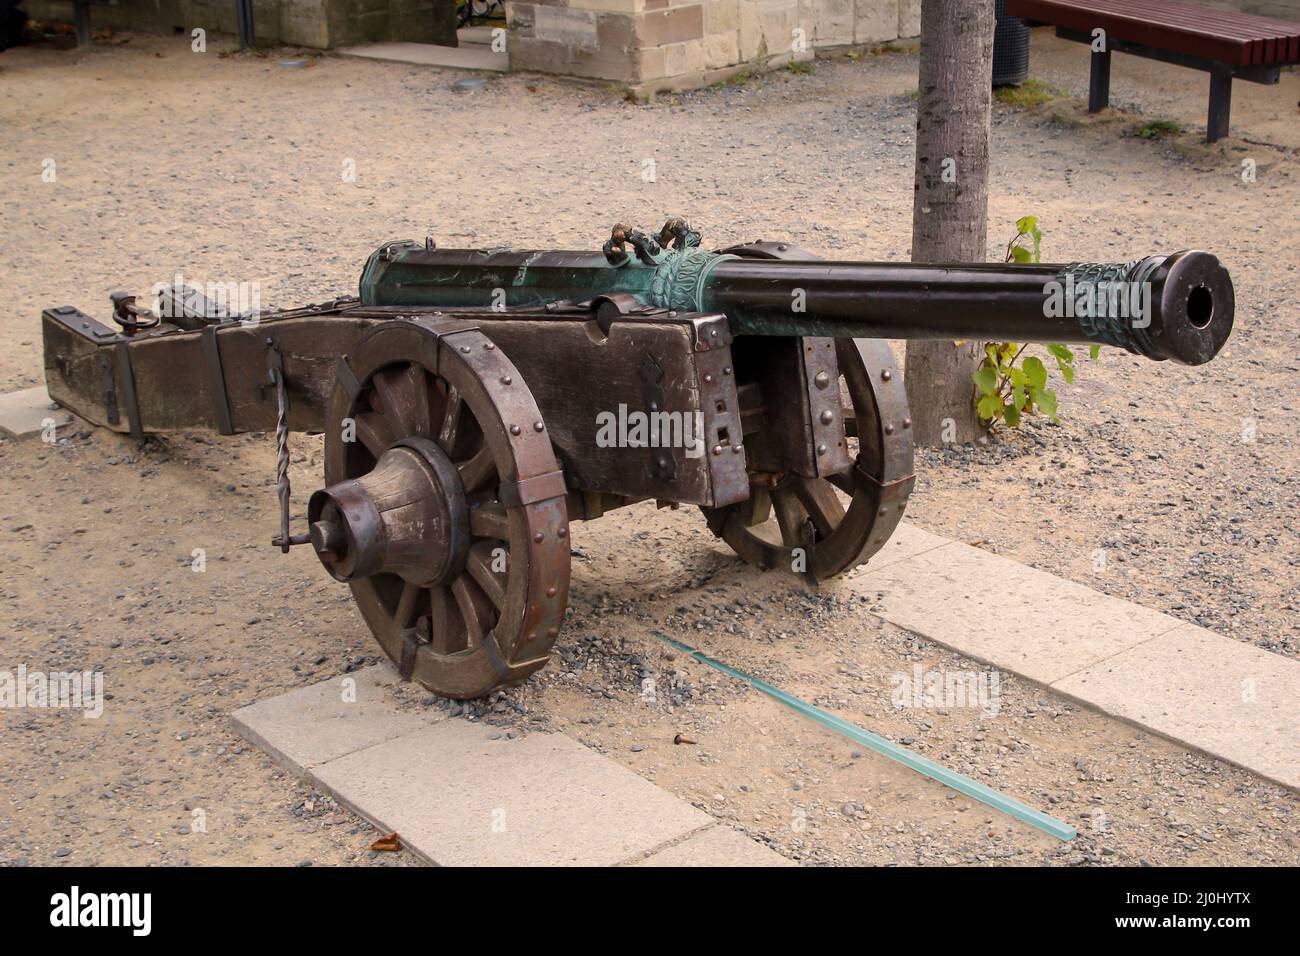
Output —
(717, 846)
(22, 412)
(471, 57)
(1223, 697)
(995, 610)
(310, 725)
(457, 797)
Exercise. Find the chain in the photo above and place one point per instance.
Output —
(284, 541)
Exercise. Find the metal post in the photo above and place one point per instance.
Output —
(1216, 125)
(81, 22)
(1099, 82)
(244, 9)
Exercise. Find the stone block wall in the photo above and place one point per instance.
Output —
(651, 45)
(321, 24)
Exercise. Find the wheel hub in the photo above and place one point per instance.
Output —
(408, 516)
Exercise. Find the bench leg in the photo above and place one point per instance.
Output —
(81, 21)
(1216, 126)
(1099, 82)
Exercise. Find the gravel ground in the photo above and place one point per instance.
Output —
(229, 170)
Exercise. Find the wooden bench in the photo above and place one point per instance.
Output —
(1224, 43)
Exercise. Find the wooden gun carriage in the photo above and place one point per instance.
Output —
(474, 403)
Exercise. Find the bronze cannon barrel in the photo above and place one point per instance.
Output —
(1177, 307)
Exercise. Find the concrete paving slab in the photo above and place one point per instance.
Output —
(1231, 700)
(717, 846)
(24, 413)
(473, 57)
(456, 797)
(1006, 614)
(308, 726)
(907, 541)
(1200, 689)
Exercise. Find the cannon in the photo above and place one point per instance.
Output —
(476, 402)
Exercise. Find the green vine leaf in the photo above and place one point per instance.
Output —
(1007, 391)
(1035, 371)
(986, 380)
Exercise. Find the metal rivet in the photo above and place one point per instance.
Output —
(654, 406)
(889, 429)
(713, 332)
(506, 380)
(726, 370)
(550, 592)
(708, 379)
(563, 532)
(514, 429)
(465, 349)
(489, 346)
(882, 512)
(735, 449)
(821, 449)
(672, 315)
(553, 632)
(886, 374)
(782, 248)
(539, 536)
(717, 449)
(538, 427)
(907, 423)
(822, 379)
(828, 416)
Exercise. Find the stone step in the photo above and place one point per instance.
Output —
(427, 54)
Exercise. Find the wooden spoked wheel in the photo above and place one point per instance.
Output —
(445, 510)
(822, 527)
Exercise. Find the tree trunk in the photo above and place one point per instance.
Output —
(950, 208)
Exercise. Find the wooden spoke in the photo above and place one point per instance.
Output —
(479, 566)
(478, 471)
(404, 616)
(446, 631)
(475, 611)
(819, 501)
(448, 430)
(489, 521)
(404, 397)
(790, 517)
(756, 509)
(374, 432)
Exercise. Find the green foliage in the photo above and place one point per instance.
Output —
(1027, 94)
(801, 66)
(1158, 129)
(1006, 391)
